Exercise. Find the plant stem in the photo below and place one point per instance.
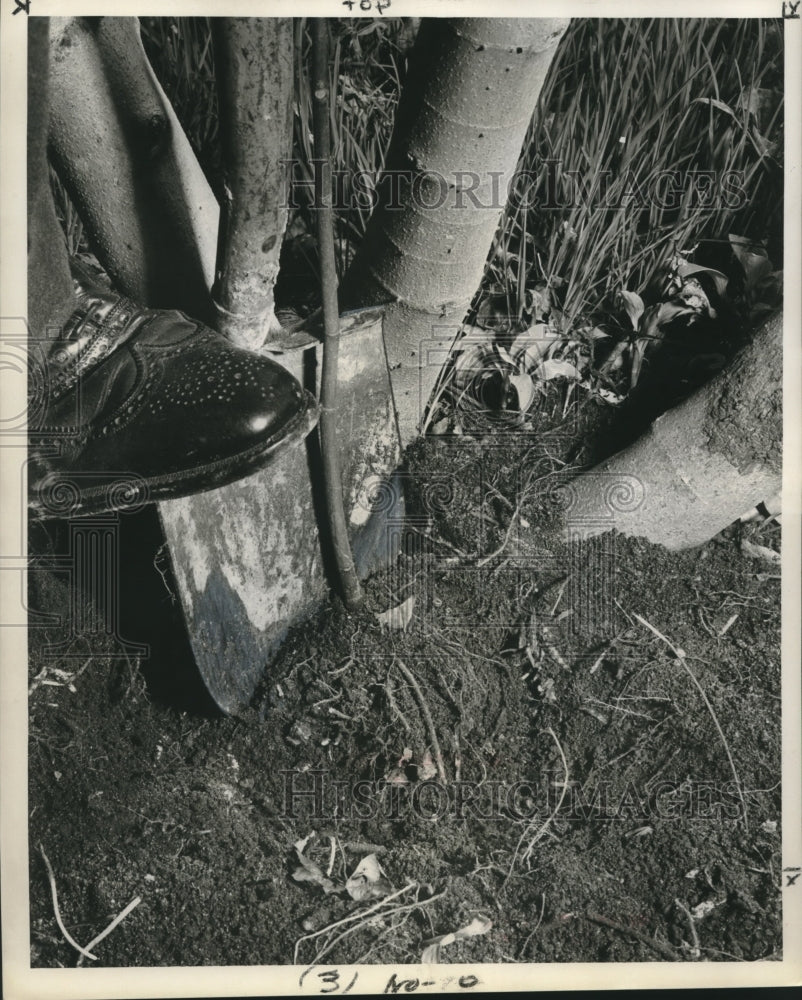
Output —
(324, 219)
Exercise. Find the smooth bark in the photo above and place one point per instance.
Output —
(472, 88)
(701, 465)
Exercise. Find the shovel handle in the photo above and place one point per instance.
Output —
(351, 590)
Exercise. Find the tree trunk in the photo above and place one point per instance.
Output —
(128, 166)
(701, 465)
(472, 87)
(254, 59)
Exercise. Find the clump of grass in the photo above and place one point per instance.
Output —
(181, 54)
(628, 104)
(367, 68)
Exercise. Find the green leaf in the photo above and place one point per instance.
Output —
(633, 304)
(524, 389)
(692, 270)
(753, 259)
(553, 368)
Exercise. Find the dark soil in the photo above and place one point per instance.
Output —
(609, 795)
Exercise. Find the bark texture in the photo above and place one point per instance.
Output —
(254, 59)
(701, 465)
(119, 148)
(473, 85)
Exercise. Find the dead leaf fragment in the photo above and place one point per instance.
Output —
(368, 881)
(427, 770)
(554, 368)
(309, 871)
(524, 390)
(701, 911)
(760, 552)
(529, 347)
(397, 618)
(431, 954)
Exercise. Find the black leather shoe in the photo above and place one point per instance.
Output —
(133, 405)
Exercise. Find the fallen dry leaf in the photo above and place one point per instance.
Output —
(427, 769)
(309, 871)
(431, 954)
(760, 552)
(368, 881)
(399, 617)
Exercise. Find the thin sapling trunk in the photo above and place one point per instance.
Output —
(254, 60)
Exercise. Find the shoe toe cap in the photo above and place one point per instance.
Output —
(226, 393)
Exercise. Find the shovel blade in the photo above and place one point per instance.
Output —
(248, 558)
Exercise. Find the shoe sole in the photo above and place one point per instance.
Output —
(135, 492)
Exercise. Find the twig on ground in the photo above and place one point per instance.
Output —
(534, 929)
(549, 819)
(439, 541)
(662, 949)
(679, 653)
(507, 535)
(695, 948)
(681, 657)
(340, 715)
(427, 715)
(388, 690)
(704, 621)
(594, 713)
(364, 847)
(65, 678)
(117, 920)
(556, 655)
(449, 693)
(725, 629)
(441, 637)
(381, 905)
(600, 659)
(393, 911)
(67, 936)
(618, 708)
(349, 919)
(38, 679)
(735, 958)
(560, 596)
(332, 855)
(497, 493)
